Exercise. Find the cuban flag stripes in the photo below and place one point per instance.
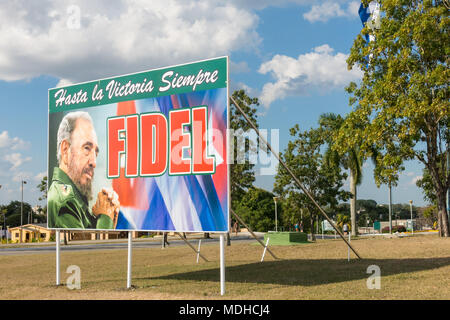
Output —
(181, 203)
(370, 15)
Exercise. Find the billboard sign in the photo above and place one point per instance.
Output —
(144, 151)
(326, 226)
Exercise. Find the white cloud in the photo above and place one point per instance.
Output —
(12, 143)
(329, 10)
(26, 176)
(45, 37)
(16, 160)
(320, 70)
(63, 83)
(239, 67)
(353, 8)
(251, 92)
(39, 176)
(262, 4)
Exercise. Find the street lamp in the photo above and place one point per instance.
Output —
(4, 226)
(412, 224)
(276, 217)
(21, 211)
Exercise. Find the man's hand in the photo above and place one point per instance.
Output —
(107, 203)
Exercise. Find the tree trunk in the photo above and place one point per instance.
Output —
(440, 188)
(436, 172)
(353, 203)
(313, 236)
(442, 214)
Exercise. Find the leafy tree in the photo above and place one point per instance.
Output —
(383, 212)
(367, 210)
(402, 101)
(242, 175)
(43, 188)
(350, 160)
(303, 156)
(257, 209)
(293, 212)
(426, 183)
(13, 213)
(429, 214)
(342, 219)
(3, 217)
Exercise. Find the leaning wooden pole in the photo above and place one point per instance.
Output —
(190, 245)
(292, 175)
(251, 232)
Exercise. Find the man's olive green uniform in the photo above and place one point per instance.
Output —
(68, 208)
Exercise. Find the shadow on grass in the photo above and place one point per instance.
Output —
(310, 272)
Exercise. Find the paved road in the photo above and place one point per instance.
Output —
(85, 246)
(36, 248)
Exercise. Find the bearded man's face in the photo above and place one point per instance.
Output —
(82, 156)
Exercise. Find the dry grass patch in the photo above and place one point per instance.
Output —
(411, 268)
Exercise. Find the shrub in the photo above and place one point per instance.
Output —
(394, 229)
(399, 229)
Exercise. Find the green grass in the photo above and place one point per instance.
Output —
(286, 238)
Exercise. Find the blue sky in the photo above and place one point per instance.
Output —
(290, 55)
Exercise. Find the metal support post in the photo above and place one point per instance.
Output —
(130, 248)
(58, 250)
(222, 264)
(265, 248)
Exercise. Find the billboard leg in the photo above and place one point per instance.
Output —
(222, 264)
(58, 274)
(130, 235)
(198, 250)
(190, 245)
(251, 232)
(348, 253)
(265, 249)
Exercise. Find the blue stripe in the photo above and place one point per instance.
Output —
(157, 217)
(364, 13)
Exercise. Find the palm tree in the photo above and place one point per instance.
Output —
(351, 160)
(342, 219)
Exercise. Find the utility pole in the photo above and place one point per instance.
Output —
(21, 212)
(4, 226)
